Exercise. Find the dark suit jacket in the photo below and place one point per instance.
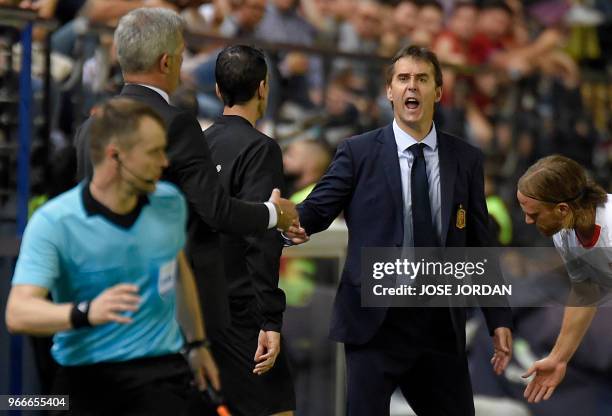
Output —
(192, 170)
(364, 181)
(250, 165)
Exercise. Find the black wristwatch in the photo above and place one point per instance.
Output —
(199, 343)
(79, 315)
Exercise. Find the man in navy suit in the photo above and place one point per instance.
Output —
(406, 184)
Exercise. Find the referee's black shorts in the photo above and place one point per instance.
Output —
(153, 386)
(248, 394)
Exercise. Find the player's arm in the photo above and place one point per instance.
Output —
(330, 195)
(193, 171)
(29, 311)
(498, 318)
(264, 165)
(190, 319)
(550, 371)
(188, 305)
(576, 321)
(263, 171)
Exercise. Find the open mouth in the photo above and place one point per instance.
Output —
(412, 103)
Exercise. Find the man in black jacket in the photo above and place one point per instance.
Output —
(149, 44)
(249, 165)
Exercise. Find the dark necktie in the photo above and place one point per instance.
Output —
(423, 231)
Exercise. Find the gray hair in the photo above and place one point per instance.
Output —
(144, 35)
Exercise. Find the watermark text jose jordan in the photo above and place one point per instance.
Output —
(457, 270)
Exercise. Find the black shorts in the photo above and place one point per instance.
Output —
(245, 393)
(147, 386)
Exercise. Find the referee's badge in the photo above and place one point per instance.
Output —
(460, 218)
(167, 277)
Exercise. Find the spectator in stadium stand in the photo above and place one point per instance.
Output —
(404, 20)
(430, 21)
(296, 77)
(452, 44)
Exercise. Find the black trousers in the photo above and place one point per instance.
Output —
(148, 387)
(234, 348)
(433, 377)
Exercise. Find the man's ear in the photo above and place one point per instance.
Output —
(164, 63)
(438, 94)
(261, 90)
(111, 151)
(563, 209)
(389, 94)
(218, 92)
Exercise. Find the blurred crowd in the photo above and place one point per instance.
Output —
(521, 78)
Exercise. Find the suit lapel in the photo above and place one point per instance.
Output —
(390, 162)
(448, 170)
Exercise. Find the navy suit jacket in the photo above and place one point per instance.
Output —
(364, 181)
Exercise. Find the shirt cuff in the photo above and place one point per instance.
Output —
(286, 240)
(272, 326)
(273, 217)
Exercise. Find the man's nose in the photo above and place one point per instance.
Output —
(528, 219)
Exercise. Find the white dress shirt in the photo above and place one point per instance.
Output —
(432, 162)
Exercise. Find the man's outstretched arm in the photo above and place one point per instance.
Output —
(550, 371)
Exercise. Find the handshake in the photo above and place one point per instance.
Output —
(288, 219)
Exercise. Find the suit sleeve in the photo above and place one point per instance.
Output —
(262, 172)
(192, 169)
(331, 194)
(480, 236)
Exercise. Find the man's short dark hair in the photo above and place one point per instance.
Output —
(496, 5)
(464, 3)
(431, 3)
(418, 53)
(117, 119)
(238, 72)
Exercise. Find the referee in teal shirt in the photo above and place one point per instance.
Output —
(110, 252)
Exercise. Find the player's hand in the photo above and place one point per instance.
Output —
(502, 344)
(268, 348)
(108, 305)
(285, 210)
(204, 368)
(549, 372)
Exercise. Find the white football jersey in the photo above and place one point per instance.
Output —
(591, 259)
